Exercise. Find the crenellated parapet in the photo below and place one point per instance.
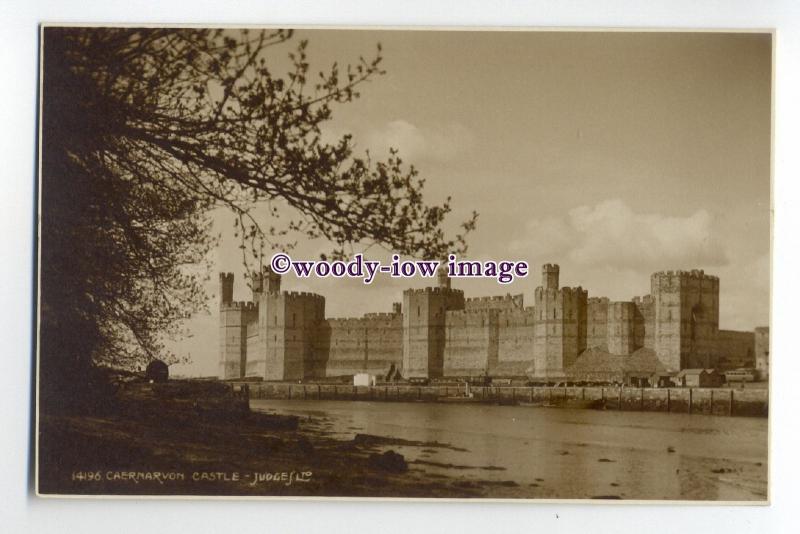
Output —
(297, 295)
(506, 301)
(241, 305)
(673, 280)
(432, 291)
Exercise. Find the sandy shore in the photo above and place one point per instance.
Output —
(258, 455)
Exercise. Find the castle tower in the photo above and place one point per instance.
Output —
(266, 282)
(273, 280)
(550, 276)
(397, 307)
(560, 325)
(442, 277)
(424, 328)
(234, 320)
(621, 327)
(686, 306)
(288, 323)
(225, 288)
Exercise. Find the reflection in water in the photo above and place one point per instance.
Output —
(567, 453)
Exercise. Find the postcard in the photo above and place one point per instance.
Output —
(404, 263)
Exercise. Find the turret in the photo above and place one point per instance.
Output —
(443, 278)
(550, 276)
(273, 281)
(226, 289)
(397, 307)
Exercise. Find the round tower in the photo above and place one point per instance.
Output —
(550, 276)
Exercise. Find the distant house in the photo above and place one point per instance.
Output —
(740, 375)
(700, 378)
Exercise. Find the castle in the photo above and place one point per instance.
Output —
(436, 332)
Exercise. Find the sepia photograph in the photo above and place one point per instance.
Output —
(461, 264)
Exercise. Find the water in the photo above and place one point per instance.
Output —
(564, 453)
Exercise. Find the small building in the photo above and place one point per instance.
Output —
(363, 379)
(157, 371)
(700, 378)
(741, 375)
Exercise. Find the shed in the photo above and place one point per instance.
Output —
(157, 371)
(700, 378)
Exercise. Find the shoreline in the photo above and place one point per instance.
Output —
(749, 402)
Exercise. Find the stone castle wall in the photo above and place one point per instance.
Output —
(470, 342)
(735, 350)
(436, 332)
(597, 323)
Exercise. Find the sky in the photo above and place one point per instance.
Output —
(613, 154)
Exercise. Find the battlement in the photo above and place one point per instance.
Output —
(381, 315)
(472, 311)
(227, 277)
(345, 322)
(564, 291)
(573, 291)
(302, 295)
(598, 300)
(645, 299)
(498, 302)
(240, 305)
(433, 290)
(550, 267)
(517, 313)
(694, 273)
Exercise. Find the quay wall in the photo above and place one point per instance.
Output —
(707, 401)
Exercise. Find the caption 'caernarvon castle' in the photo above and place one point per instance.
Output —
(437, 332)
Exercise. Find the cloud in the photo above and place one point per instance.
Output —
(439, 143)
(611, 235)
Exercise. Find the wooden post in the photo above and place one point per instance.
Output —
(690, 400)
(319, 391)
(583, 393)
(290, 392)
(730, 404)
(603, 394)
(549, 395)
(565, 392)
(712, 402)
(641, 399)
(419, 392)
(668, 399)
(305, 393)
(619, 399)
(513, 394)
